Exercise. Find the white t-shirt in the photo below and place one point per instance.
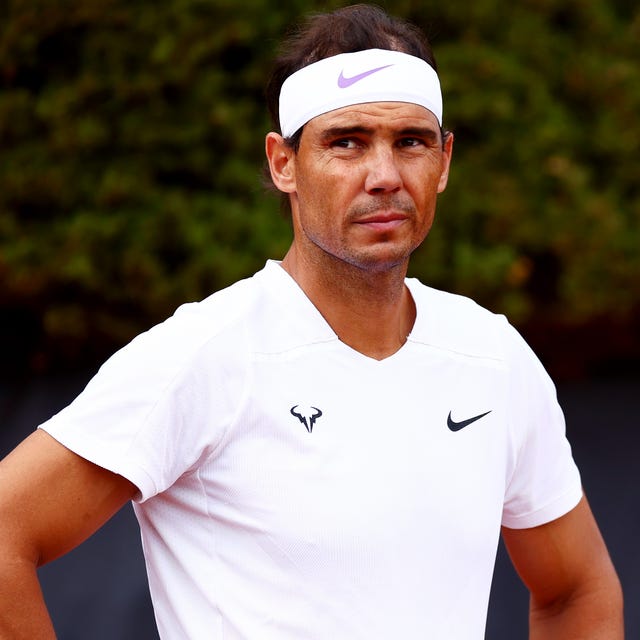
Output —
(293, 488)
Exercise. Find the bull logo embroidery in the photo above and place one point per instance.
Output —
(307, 415)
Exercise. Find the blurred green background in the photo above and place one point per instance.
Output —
(131, 146)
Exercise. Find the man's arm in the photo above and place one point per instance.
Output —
(575, 592)
(50, 501)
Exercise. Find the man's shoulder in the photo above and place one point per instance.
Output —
(230, 304)
(448, 302)
(459, 324)
(218, 310)
(173, 343)
(253, 312)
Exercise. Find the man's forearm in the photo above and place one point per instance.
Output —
(23, 613)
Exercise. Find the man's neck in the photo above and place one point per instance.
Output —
(372, 312)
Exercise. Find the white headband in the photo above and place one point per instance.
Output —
(374, 75)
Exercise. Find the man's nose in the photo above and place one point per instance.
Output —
(383, 175)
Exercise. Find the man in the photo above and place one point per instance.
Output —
(327, 449)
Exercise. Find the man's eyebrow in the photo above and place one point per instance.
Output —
(343, 132)
(420, 132)
(428, 133)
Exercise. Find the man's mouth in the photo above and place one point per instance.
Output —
(382, 221)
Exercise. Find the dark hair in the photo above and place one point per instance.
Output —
(347, 30)
(354, 28)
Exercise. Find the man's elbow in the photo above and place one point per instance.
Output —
(593, 610)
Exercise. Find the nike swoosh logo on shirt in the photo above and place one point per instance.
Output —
(343, 82)
(456, 426)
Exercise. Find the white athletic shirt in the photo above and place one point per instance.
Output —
(293, 488)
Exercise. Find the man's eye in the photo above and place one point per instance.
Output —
(345, 143)
(411, 142)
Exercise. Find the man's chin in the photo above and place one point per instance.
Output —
(380, 260)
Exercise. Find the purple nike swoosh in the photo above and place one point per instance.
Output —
(343, 82)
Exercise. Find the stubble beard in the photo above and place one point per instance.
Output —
(388, 252)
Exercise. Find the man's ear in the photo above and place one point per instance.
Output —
(281, 159)
(447, 150)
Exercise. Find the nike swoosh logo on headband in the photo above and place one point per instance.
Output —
(343, 82)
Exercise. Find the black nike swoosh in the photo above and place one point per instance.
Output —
(456, 426)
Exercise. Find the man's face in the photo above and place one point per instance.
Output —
(365, 181)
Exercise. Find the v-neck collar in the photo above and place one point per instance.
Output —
(315, 326)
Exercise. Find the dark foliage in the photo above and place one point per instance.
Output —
(131, 142)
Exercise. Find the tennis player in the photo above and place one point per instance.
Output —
(327, 449)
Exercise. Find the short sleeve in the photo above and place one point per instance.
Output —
(160, 404)
(544, 481)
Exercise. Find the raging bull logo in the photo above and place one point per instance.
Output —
(306, 414)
